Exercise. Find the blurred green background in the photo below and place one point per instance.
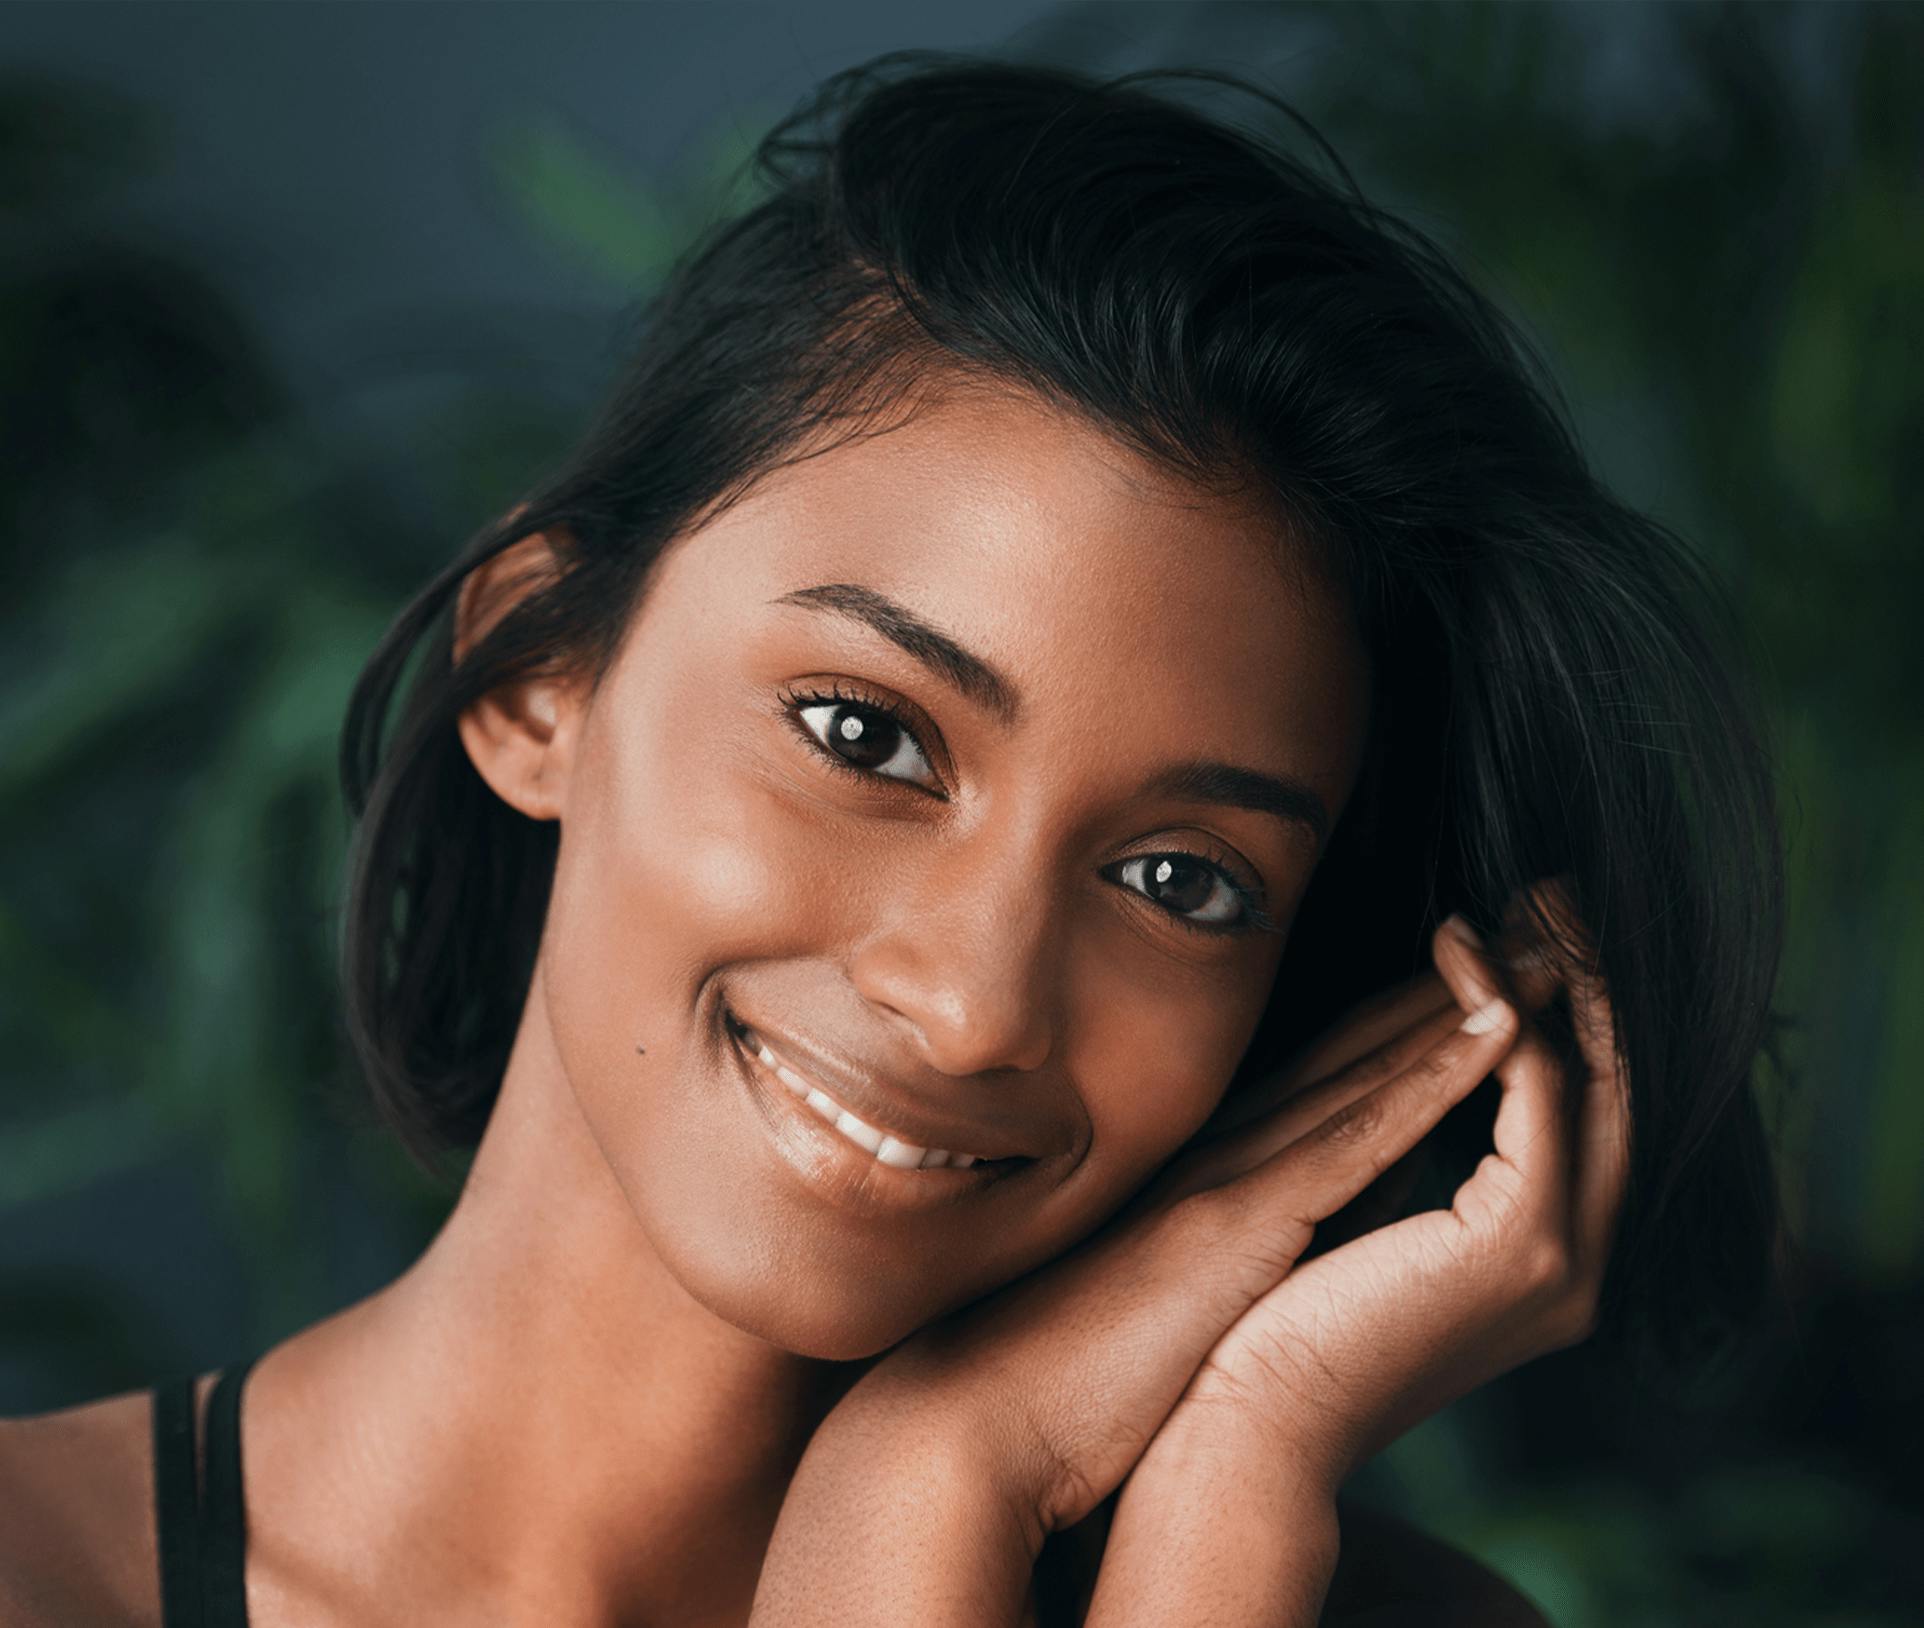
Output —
(1711, 218)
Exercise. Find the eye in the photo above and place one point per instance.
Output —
(1198, 893)
(860, 735)
(866, 736)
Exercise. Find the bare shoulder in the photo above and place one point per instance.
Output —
(77, 1546)
(1392, 1574)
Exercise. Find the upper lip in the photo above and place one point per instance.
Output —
(887, 1107)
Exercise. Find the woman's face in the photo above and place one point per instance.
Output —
(896, 767)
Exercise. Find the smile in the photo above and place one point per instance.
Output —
(837, 1155)
(883, 1147)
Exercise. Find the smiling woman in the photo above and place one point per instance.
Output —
(1073, 719)
(869, 764)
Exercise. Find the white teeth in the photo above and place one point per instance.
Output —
(903, 1155)
(888, 1150)
(858, 1130)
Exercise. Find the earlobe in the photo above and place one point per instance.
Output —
(519, 739)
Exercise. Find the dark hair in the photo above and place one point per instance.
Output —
(1556, 679)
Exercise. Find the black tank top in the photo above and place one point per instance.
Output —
(200, 1523)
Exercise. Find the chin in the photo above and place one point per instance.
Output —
(844, 1315)
(776, 1233)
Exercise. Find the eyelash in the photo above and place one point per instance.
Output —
(1253, 920)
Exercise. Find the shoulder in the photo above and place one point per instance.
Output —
(1392, 1574)
(77, 1545)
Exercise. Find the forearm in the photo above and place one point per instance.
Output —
(869, 1535)
(1251, 1545)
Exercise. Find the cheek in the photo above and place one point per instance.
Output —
(671, 865)
(689, 853)
(1152, 1079)
(666, 879)
(681, 856)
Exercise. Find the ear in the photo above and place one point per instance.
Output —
(520, 736)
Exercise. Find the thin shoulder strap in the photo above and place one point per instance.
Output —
(176, 1503)
(223, 1530)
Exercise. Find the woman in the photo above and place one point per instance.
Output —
(1109, 749)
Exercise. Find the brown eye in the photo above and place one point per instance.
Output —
(1193, 890)
(865, 737)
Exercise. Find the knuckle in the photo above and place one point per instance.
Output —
(1068, 1488)
(1547, 1270)
(1356, 1123)
(1198, 1221)
(1226, 1238)
(1054, 1474)
(1438, 1067)
(1369, 1071)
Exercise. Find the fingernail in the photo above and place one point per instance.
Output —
(1494, 1013)
(1491, 1015)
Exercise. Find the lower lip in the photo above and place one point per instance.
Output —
(835, 1168)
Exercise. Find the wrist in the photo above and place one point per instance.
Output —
(924, 1427)
(887, 1522)
(1225, 1537)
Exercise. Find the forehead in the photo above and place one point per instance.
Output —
(1082, 570)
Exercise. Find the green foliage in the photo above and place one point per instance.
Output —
(574, 193)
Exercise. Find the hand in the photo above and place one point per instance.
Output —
(1357, 1345)
(1019, 1415)
(1033, 1404)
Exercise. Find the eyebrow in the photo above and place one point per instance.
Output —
(934, 649)
(1207, 781)
(1202, 780)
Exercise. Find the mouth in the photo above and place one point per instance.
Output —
(888, 1147)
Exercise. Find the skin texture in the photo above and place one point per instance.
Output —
(1191, 1349)
(965, 948)
(587, 1400)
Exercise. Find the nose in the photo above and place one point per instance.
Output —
(967, 959)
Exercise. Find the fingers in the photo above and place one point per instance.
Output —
(1314, 1103)
(1390, 1016)
(1322, 1170)
(1601, 1112)
(1404, 1018)
(1373, 1023)
(1528, 1175)
(1561, 1148)
(1409, 1022)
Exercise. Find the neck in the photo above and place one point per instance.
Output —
(536, 1414)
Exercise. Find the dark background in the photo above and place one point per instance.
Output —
(292, 297)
